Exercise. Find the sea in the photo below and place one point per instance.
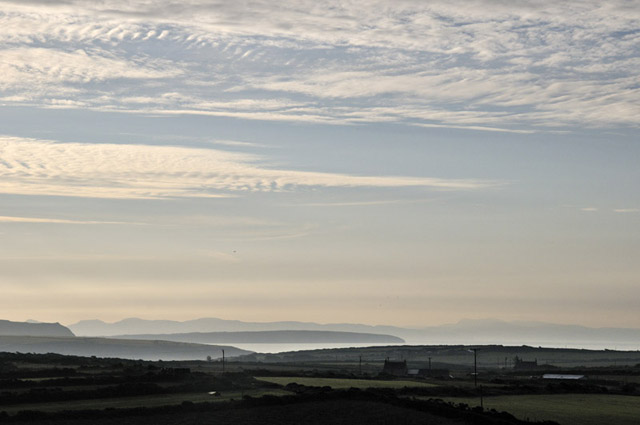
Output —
(267, 348)
(590, 345)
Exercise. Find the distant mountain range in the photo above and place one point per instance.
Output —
(133, 326)
(193, 339)
(37, 337)
(33, 328)
(271, 337)
(466, 331)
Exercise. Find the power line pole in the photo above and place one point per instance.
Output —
(222, 361)
(475, 375)
(475, 367)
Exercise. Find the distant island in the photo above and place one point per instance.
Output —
(466, 331)
(111, 347)
(33, 329)
(271, 337)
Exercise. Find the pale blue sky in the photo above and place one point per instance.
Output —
(401, 162)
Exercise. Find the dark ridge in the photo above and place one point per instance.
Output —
(8, 328)
(112, 347)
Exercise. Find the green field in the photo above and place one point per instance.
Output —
(451, 357)
(336, 383)
(567, 409)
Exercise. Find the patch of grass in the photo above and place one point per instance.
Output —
(337, 383)
(567, 409)
(620, 378)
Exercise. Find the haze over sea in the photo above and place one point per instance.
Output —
(281, 348)
(286, 336)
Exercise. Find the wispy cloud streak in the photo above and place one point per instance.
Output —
(627, 210)
(42, 220)
(37, 167)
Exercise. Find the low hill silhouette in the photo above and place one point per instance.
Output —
(33, 329)
(485, 331)
(272, 337)
(111, 347)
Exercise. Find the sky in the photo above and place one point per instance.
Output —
(384, 162)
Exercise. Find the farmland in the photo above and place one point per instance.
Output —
(45, 387)
(454, 356)
(567, 409)
(344, 383)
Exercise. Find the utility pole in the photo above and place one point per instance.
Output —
(475, 367)
(475, 375)
(360, 365)
(222, 361)
(429, 365)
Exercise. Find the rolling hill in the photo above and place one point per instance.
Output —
(33, 329)
(111, 347)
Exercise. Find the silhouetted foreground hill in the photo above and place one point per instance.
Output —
(110, 347)
(323, 407)
(271, 337)
(33, 329)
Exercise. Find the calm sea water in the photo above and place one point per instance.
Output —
(591, 345)
(281, 348)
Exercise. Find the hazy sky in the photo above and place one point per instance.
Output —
(400, 162)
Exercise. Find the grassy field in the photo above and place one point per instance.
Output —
(137, 401)
(567, 409)
(454, 356)
(344, 383)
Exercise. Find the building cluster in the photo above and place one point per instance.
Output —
(520, 364)
(400, 369)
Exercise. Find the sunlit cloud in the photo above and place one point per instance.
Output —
(41, 220)
(627, 210)
(48, 66)
(484, 65)
(365, 203)
(37, 167)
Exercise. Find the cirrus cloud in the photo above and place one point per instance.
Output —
(482, 64)
(40, 167)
